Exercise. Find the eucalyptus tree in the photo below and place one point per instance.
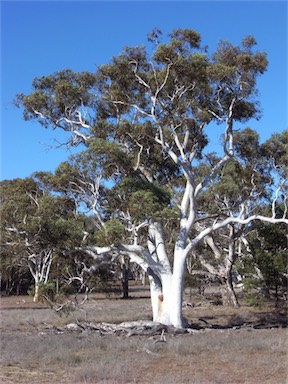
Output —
(268, 248)
(143, 119)
(35, 227)
(244, 184)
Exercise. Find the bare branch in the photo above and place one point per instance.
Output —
(39, 114)
(211, 174)
(216, 226)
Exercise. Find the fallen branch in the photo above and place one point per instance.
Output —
(132, 328)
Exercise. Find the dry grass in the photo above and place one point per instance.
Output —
(208, 356)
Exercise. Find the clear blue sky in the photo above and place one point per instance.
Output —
(38, 38)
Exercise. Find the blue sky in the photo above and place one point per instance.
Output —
(39, 38)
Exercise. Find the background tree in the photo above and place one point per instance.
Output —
(143, 119)
(244, 184)
(36, 226)
(79, 180)
(265, 267)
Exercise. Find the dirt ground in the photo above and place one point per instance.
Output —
(246, 345)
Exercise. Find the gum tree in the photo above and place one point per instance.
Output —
(143, 120)
(244, 183)
(35, 227)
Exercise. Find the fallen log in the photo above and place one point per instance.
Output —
(131, 328)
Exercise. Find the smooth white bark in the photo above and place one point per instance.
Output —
(164, 301)
(160, 283)
(177, 286)
(39, 266)
(36, 292)
(155, 294)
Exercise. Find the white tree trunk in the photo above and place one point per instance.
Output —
(156, 296)
(160, 282)
(227, 291)
(164, 300)
(166, 295)
(160, 292)
(39, 266)
(176, 316)
(166, 288)
(36, 293)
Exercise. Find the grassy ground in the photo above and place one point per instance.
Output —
(234, 353)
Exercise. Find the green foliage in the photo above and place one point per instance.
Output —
(247, 144)
(275, 150)
(144, 204)
(34, 219)
(114, 90)
(110, 157)
(47, 290)
(235, 69)
(277, 147)
(114, 231)
(269, 248)
(238, 177)
(143, 199)
(57, 95)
